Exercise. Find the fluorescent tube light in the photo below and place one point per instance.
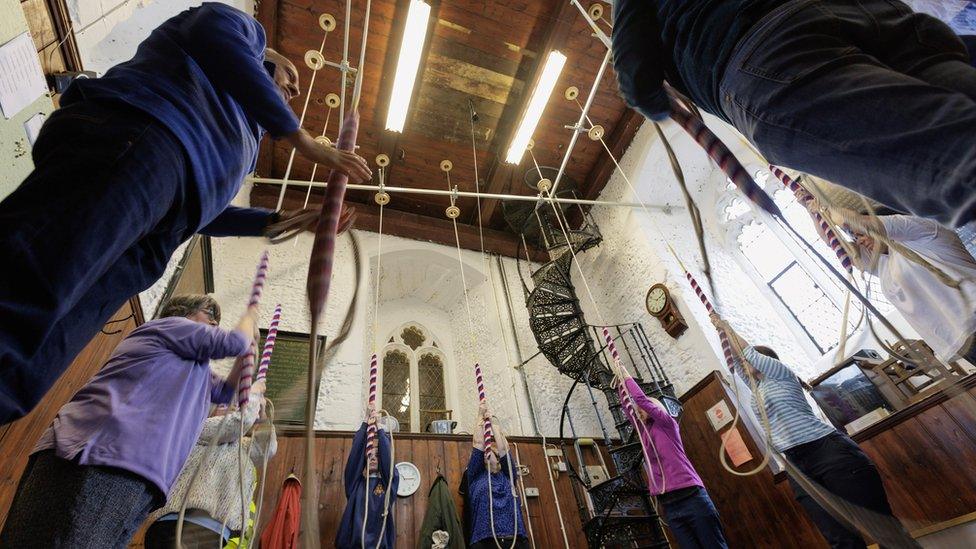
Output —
(414, 34)
(540, 96)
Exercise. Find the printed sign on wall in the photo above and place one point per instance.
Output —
(719, 415)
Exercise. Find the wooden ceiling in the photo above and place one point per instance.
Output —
(488, 52)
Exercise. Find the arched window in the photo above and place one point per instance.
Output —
(412, 378)
(800, 282)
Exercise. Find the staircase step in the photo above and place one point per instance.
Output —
(628, 457)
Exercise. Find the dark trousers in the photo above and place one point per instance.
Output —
(839, 466)
(94, 224)
(866, 94)
(692, 518)
(60, 504)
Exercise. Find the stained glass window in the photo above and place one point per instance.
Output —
(414, 388)
(396, 387)
(431, 387)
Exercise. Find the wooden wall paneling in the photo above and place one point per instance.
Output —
(962, 409)
(944, 445)
(888, 452)
(17, 439)
(448, 453)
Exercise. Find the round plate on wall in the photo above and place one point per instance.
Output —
(409, 479)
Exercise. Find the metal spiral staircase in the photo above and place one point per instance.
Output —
(618, 509)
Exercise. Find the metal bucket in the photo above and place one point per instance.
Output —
(441, 426)
(389, 423)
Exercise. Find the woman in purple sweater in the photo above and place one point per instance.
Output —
(114, 451)
(684, 503)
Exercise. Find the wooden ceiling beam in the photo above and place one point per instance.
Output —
(389, 142)
(405, 224)
(267, 14)
(499, 173)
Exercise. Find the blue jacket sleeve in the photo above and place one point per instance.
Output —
(234, 221)
(356, 460)
(637, 58)
(229, 46)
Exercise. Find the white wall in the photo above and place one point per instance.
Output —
(108, 31)
(419, 283)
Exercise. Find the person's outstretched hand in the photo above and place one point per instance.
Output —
(346, 162)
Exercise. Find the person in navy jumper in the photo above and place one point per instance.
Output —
(131, 166)
(866, 94)
(493, 509)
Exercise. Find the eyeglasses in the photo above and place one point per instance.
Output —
(211, 313)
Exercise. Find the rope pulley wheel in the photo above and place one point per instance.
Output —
(382, 160)
(446, 165)
(544, 185)
(332, 100)
(382, 198)
(452, 212)
(323, 140)
(571, 93)
(327, 22)
(595, 12)
(314, 60)
(596, 132)
(530, 145)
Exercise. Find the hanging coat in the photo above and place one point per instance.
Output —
(441, 515)
(349, 535)
(282, 532)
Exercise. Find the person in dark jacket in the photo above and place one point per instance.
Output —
(442, 527)
(493, 507)
(369, 496)
(130, 166)
(867, 94)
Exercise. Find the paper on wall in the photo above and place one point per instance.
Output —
(32, 127)
(21, 78)
(736, 448)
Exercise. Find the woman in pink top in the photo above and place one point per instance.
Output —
(684, 503)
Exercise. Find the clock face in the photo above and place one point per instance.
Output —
(657, 299)
(409, 478)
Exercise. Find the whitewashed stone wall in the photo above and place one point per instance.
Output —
(436, 302)
(108, 31)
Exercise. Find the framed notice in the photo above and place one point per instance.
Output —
(288, 376)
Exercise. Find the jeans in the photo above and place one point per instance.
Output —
(61, 504)
(108, 202)
(865, 94)
(837, 464)
(692, 518)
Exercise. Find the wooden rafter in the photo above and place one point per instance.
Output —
(499, 173)
(405, 224)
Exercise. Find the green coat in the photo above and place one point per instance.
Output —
(441, 515)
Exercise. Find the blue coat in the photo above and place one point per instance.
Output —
(350, 531)
(202, 74)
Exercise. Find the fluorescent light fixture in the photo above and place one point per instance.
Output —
(414, 34)
(540, 96)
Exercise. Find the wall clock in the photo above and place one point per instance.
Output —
(409, 479)
(660, 305)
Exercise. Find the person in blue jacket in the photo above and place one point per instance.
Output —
(371, 500)
(130, 166)
(866, 94)
(493, 509)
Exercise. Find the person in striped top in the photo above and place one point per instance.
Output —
(827, 457)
